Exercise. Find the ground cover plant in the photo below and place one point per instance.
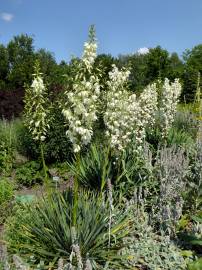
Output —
(120, 174)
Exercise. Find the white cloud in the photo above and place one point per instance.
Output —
(7, 17)
(143, 50)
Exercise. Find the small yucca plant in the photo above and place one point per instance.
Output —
(48, 233)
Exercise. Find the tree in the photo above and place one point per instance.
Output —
(21, 60)
(158, 64)
(176, 67)
(4, 66)
(103, 65)
(48, 66)
(138, 68)
(193, 66)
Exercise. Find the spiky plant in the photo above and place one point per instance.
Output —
(94, 167)
(48, 234)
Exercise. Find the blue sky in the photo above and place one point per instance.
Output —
(122, 26)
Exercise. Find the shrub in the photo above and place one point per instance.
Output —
(48, 231)
(57, 147)
(29, 174)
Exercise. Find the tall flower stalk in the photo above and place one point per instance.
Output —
(169, 98)
(198, 105)
(36, 112)
(80, 108)
(116, 115)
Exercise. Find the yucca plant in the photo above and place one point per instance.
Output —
(128, 171)
(94, 167)
(47, 232)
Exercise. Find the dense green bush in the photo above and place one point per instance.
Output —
(57, 147)
(29, 173)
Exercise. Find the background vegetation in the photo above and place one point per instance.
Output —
(17, 59)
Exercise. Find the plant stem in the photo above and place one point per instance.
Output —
(105, 169)
(76, 191)
(44, 164)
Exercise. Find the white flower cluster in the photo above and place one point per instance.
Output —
(89, 54)
(148, 101)
(116, 116)
(36, 109)
(127, 116)
(38, 85)
(168, 104)
(80, 111)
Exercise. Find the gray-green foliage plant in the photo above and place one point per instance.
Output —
(193, 194)
(46, 231)
(172, 168)
(150, 250)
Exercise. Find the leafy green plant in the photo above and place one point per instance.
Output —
(179, 138)
(190, 234)
(6, 190)
(186, 121)
(6, 196)
(57, 146)
(8, 142)
(6, 158)
(196, 265)
(46, 231)
(29, 174)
